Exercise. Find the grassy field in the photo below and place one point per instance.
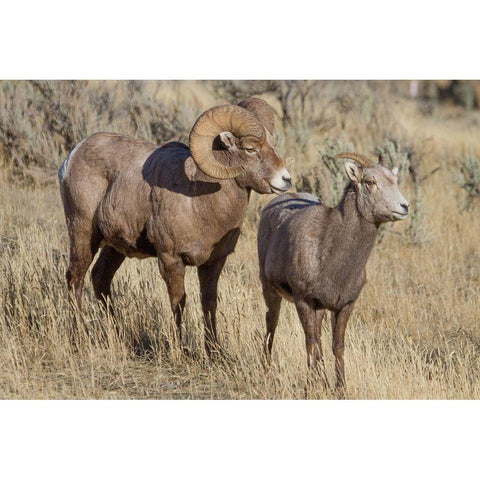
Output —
(415, 331)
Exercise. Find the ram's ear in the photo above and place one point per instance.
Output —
(227, 139)
(354, 172)
(395, 171)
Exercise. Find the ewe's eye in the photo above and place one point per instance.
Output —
(250, 150)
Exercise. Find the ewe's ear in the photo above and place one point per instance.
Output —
(227, 139)
(354, 172)
(395, 170)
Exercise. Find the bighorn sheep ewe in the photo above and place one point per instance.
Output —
(315, 256)
(183, 205)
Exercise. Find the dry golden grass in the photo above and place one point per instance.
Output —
(414, 333)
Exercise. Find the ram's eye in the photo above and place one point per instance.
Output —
(250, 150)
(370, 183)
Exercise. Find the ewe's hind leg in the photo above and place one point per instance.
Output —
(103, 271)
(273, 301)
(208, 277)
(307, 314)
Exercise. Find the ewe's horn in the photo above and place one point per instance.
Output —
(231, 118)
(361, 159)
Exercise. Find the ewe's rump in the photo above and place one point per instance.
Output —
(280, 209)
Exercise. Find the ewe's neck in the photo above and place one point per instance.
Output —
(357, 233)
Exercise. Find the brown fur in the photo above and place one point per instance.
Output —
(315, 256)
(140, 200)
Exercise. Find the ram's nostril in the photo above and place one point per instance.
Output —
(405, 206)
(287, 180)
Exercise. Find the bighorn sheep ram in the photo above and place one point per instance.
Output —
(183, 205)
(315, 256)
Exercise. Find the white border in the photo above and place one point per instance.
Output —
(247, 39)
(238, 440)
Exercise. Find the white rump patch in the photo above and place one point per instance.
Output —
(62, 172)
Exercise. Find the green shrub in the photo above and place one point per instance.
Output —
(401, 152)
(42, 121)
(327, 180)
(469, 178)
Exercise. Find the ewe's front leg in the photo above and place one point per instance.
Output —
(208, 276)
(339, 324)
(318, 352)
(312, 325)
(172, 270)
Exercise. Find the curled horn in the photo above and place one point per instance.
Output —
(361, 159)
(262, 110)
(231, 118)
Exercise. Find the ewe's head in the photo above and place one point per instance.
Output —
(378, 196)
(236, 141)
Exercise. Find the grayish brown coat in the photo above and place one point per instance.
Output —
(139, 200)
(315, 256)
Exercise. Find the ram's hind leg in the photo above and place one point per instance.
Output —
(103, 271)
(84, 243)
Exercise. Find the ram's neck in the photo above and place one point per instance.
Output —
(221, 203)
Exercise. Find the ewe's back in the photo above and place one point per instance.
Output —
(277, 215)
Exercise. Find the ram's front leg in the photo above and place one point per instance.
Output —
(208, 275)
(172, 270)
